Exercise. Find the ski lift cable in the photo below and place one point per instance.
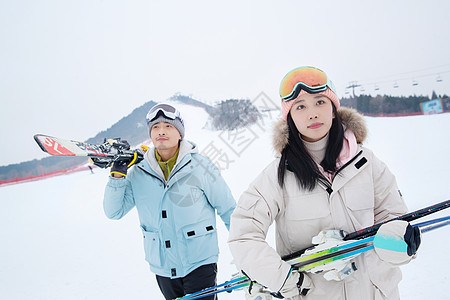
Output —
(414, 71)
(405, 78)
(424, 69)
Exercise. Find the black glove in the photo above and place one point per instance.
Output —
(412, 238)
(121, 166)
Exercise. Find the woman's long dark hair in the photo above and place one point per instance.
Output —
(296, 158)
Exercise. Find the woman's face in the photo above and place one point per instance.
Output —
(313, 116)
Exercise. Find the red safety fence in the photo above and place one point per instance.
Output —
(393, 115)
(12, 181)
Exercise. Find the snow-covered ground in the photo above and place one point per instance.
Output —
(56, 243)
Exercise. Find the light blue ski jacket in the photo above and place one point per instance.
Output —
(177, 215)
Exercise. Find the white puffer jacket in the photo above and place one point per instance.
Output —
(365, 193)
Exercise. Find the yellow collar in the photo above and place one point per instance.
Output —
(167, 166)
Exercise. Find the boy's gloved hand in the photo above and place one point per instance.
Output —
(110, 146)
(120, 167)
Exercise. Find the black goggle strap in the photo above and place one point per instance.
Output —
(299, 87)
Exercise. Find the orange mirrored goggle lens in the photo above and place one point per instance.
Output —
(309, 77)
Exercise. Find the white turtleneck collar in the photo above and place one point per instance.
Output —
(317, 149)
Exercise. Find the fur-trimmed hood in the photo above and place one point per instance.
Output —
(351, 119)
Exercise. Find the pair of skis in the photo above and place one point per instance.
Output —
(352, 245)
(103, 154)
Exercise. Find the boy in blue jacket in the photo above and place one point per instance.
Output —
(176, 192)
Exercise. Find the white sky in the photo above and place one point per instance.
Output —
(73, 68)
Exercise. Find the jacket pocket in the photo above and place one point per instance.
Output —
(201, 241)
(360, 204)
(384, 277)
(152, 248)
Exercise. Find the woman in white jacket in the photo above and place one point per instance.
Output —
(322, 180)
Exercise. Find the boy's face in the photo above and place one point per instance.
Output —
(165, 136)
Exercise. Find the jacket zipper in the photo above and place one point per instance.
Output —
(172, 173)
(348, 163)
(162, 181)
(167, 169)
(327, 183)
(177, 170)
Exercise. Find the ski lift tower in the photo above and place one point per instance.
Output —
(352, 85)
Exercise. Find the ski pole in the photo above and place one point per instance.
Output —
(214, 292)
(369, 231)
(328, 256)
(431, 226)
(424, 223)
(227, 286)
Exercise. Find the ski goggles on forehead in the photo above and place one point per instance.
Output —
(167, 110)
(309, 79)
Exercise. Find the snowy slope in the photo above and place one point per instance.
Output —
(56, 242)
